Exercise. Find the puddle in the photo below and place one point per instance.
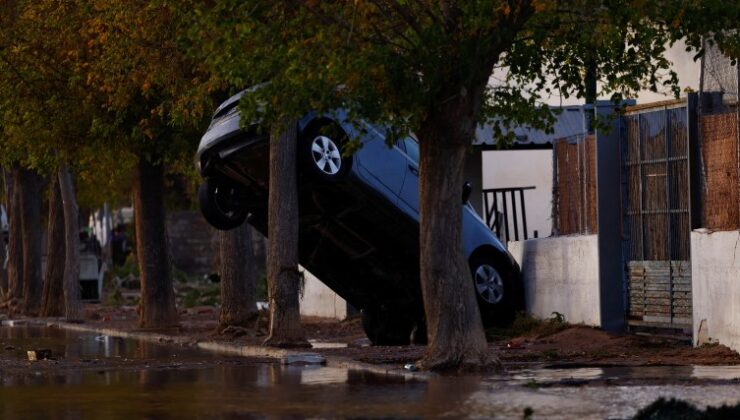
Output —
(16, 341)
(547, 375)
(186, 383)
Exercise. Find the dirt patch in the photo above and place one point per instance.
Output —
(580, 345)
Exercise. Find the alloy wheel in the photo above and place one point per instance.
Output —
(489, 284)
(326, 156)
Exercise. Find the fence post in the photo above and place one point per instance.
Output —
(612, 292)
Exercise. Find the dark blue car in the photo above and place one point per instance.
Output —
(359, 217)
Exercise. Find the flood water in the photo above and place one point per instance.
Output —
(104, 377)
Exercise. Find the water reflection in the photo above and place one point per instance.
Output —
(167, 381)
(187, 382)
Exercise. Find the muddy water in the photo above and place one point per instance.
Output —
(103, 377)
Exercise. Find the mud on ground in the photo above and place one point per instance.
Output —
(539, 343)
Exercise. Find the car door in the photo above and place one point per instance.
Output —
(383, 165)
(410, 189)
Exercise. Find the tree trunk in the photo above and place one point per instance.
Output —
(15, 243)
(238, 278)
(454, 327)
(3, 255)
(30, 200)
(52, 301)
(157, 307)
(72, 303)
(3, 272)
(283, 278)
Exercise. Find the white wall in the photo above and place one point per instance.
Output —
(561, 274)
(319, 300)
(715, 284)
(524, 168)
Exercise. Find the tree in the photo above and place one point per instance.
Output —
(42, 119)
(236, 41)
(15, 243)
(238, 278)
(72, 303)
(157, 307)
(30, 203)
(427, 67)
(283, 277)
(156, 102)
(52, 300)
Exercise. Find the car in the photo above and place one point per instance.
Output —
(3, 224)
(358, 217)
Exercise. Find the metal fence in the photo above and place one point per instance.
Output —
(506, 213)
(656, 199)
(574, 186)
(656, 215)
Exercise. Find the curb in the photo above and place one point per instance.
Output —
(281, 355)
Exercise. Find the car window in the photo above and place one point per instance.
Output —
(412, 148)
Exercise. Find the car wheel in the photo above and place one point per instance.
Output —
(321, 150)
(385, 327)
(217, 204)
(495, 290)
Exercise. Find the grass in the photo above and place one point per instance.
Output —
(526, 325)
(209, 295)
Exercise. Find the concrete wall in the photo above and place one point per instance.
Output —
(715, 278)
(524, 168)
(561, 274)
(319, 300)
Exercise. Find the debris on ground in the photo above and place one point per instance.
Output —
(36, 355)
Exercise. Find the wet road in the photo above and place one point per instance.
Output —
(114, 378)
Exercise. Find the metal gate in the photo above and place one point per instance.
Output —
(656, 199)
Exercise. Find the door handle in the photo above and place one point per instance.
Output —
(414, 170)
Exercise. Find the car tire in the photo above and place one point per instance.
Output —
(386, 327)
(320, 148)
(495, 283)
(219, 212)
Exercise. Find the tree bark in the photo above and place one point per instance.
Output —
(30, 200)
(283, 278)
(238, 278)
(157, 307)
(52, 301)
(3, 272)
(456, 339)
(72, 295)
(15, 242)
(3, 255)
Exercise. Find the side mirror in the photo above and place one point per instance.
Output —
(466, 190)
